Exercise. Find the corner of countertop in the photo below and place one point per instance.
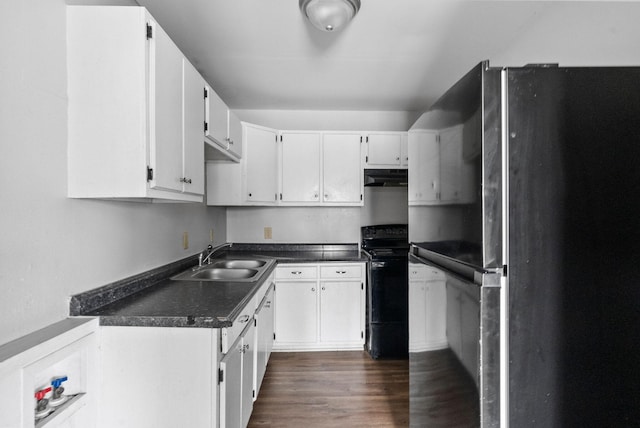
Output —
(91, 300)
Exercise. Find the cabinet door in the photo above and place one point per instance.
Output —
(216, 118)
(300, 167)
(424, 167)
(224, 183)
(450, 164)
(234, 134)
(231, 386)
(261, 164)
(341, 311)
(383, 149)
(264, 337)
(454, 321)
(470, 335)
(404, 151)
(248, 363)
(193, 146)
(435, 305)
(165, 105)
(342, 172)
(296, 312)
(417, 316)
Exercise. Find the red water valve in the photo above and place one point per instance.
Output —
(40, 394)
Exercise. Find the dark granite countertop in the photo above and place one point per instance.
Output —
(152, 299)
(299, 253)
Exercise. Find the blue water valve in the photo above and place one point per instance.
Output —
(58, 397)
(58, 381)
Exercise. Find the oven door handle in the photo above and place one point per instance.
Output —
(377, 265)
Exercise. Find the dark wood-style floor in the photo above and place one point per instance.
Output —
(331, 389)
(443, 395)
(349, 389)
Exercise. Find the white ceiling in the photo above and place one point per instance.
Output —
(396, 55)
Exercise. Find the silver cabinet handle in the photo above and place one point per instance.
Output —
(243, 319)
(296, 272)
(323, 288)
(341, 272)
(313, 289)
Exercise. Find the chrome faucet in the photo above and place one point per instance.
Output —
(202, 259)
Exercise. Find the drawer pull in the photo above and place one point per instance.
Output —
(341, 272)
(243, 319)
(296, 272)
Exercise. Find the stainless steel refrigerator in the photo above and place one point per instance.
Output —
(524, 203)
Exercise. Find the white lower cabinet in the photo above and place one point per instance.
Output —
(320, 306)
(463, 324)
(340, 312)
(185, 377)
(236, 380)
(296, 314)
(158, 377)
(427, 308)
(264, 336)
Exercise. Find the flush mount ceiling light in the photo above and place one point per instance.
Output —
(329, 15)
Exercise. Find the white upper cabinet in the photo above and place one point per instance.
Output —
(438, 174)
(193, 118)
(234, 134)
(342, 176)
(260, 165)
(130, 117)
(165, 81)
(404, 150)
(456, 175)
(384, 150)
(300, 167)
(216, 118)
(424, 167)
(222, 127)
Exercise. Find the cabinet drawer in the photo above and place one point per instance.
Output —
(341, 271)
(417, 271)
(297, 272)
(230, 334)
(426, 273)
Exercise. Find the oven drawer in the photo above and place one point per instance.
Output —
(284, 272)
(341, 271)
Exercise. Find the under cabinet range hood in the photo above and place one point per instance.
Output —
(386, 177)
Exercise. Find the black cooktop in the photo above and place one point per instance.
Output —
(385, 240)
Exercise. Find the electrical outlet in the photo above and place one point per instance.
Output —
(185, 240)
(211, 235)
(267, 232)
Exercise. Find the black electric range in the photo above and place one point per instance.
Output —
(387, 292)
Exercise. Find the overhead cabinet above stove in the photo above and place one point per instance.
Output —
(290, 168)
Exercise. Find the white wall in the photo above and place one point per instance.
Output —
(577, 33)
(294, 225)
(313, 120)
(384, 205)
(52, 247)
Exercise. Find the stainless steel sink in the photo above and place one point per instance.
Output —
(238, 264)
(224, 274)
(236, 270)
